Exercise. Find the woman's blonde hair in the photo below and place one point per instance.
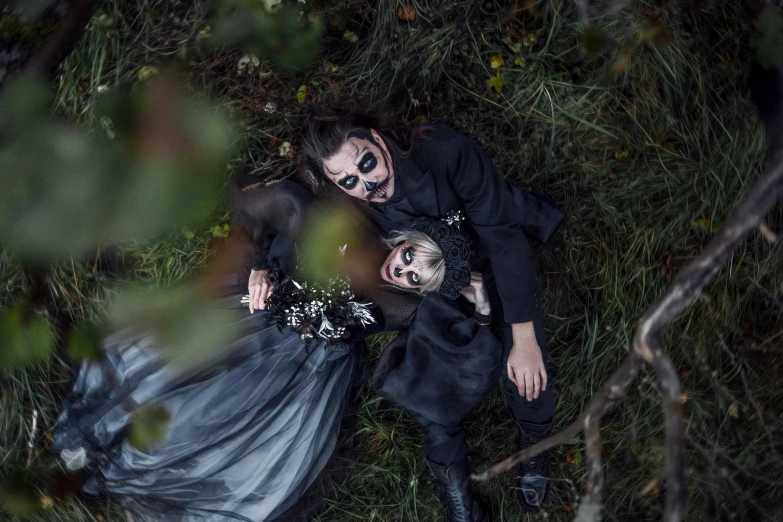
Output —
(431, 277)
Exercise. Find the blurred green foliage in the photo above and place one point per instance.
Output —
(17, 495)
(84, 343)
(29, 10)
(66, 192)
(25, 337)
(287, 36)
(148, 426)
(191, 328)
(326, 230)
(767, 40)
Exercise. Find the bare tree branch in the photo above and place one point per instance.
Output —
(612, 391)
(595, 472)
(675, 436)
(646, 348)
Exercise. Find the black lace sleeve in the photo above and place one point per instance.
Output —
(392, 311)
(396, 307)
(268, 218)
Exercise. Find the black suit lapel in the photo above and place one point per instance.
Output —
(419, 187)
(386, 225)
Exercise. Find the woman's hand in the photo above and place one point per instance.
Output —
(476, 293)
(525, 365)
(260, 288)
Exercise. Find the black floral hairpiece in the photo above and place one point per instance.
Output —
(456, 252)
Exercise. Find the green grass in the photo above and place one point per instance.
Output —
(647, 163)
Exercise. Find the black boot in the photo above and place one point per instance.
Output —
(534, 473)
(456, 492)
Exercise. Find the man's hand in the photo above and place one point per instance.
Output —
(525, 365)
(260, 288)
(476, 293)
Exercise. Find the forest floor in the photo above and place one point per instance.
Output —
(647, 144)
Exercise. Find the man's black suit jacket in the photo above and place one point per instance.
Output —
(446, 172)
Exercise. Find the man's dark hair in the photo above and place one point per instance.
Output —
(326, 130)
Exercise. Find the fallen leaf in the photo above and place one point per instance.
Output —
(330, 67)
(519, 62)
(146, 72)
(734, 411)
(47, 502)
(495, 62)
(575, 460)
(652, 488)
(203, 34)
(286, 150)
(610, 175)
(188, 234)
(683, 397)
(666, 266)
(514, 44)
(622, 154)
(301, 94)
(619, 66)
(220, 231)
(350, 36)
(406, 13)
(496, 82)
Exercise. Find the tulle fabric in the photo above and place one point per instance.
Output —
(246, 438)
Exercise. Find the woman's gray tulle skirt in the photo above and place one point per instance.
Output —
(246, 439)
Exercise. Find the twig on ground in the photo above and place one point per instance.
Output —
(31, 440)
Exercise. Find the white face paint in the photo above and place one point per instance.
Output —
(362, 169)
(401, 268)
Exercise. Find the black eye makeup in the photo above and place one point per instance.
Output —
(348, 182)
(413, 279)
(367, 163)
(407, 255)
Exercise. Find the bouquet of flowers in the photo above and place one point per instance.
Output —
(327, 311)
